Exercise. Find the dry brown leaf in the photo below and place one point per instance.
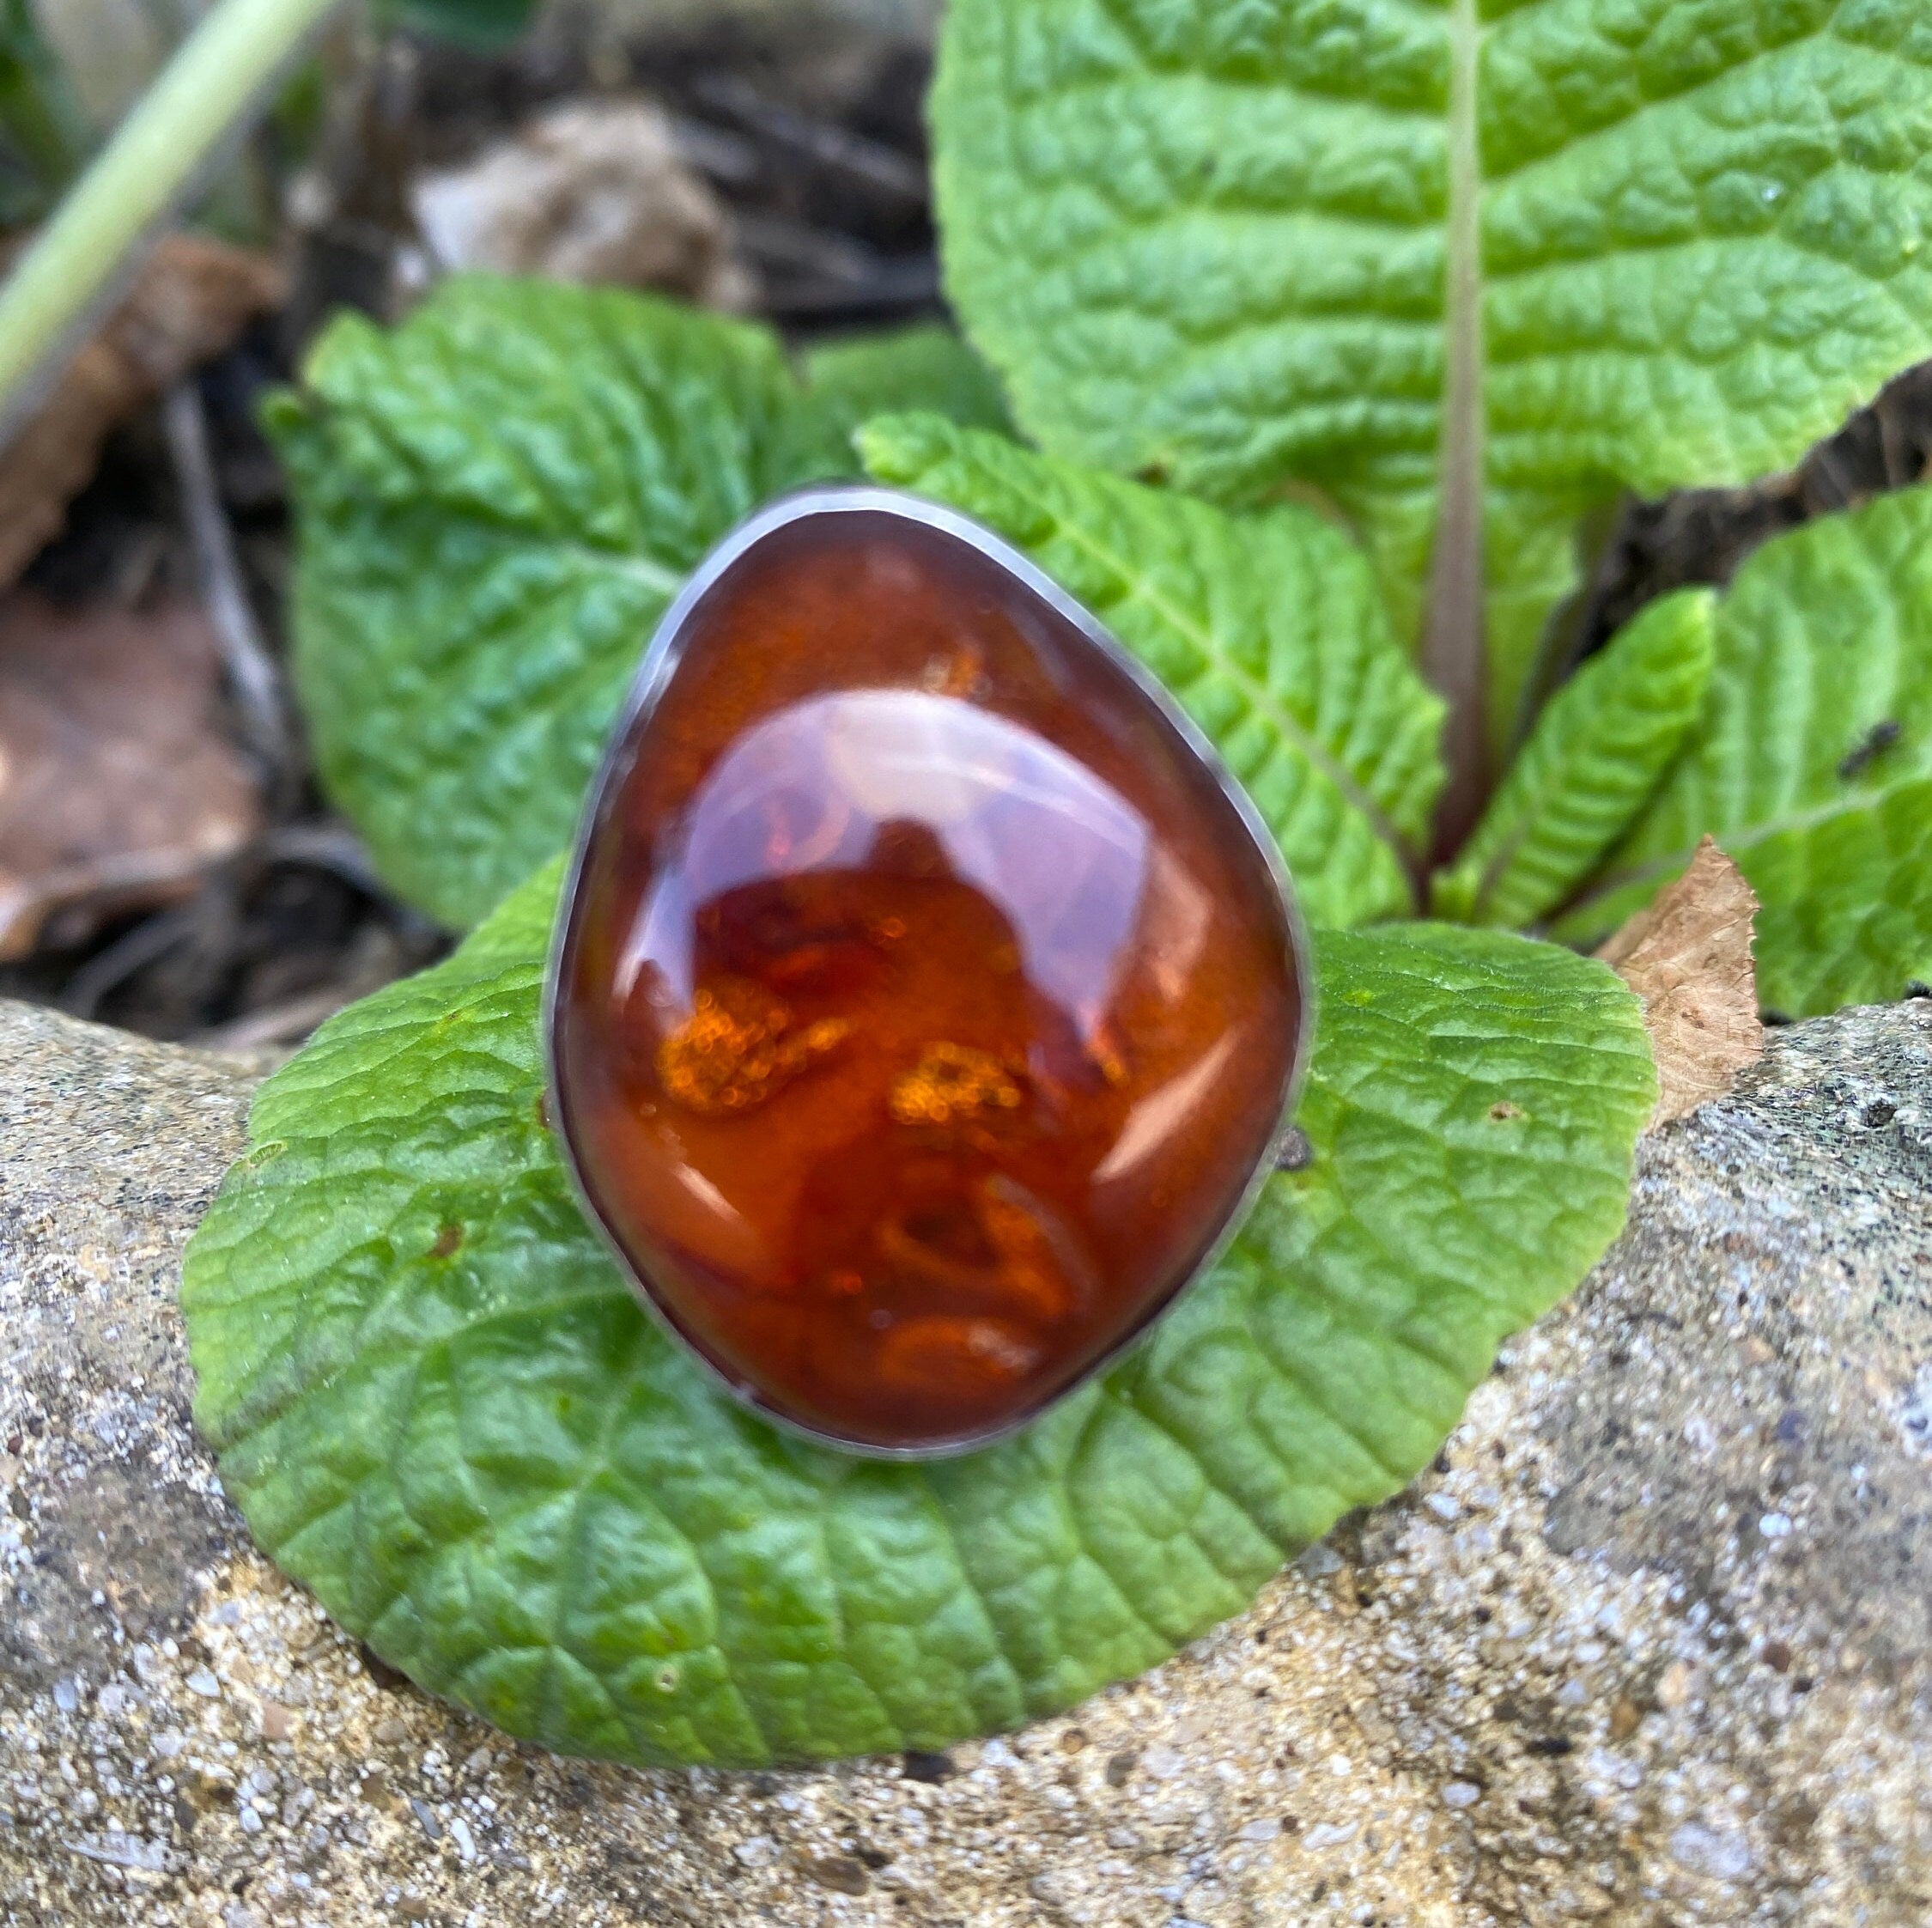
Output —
(596, 190)
(117, 790)
(191, 300)
(1688, 955)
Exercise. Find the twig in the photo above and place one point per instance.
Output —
(252, 670)
(330, 846)
(834, 271)
(105, 970)
(1823, 465)
(871, 162)
(801, 249)
(724, 157)
(913, 283)
(1892, 442)
(287, 1023)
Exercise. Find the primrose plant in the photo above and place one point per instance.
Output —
(1329, 334)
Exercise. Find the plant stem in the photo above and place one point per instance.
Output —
(154, 155)
(1452, 648)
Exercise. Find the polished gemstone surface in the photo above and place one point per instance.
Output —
(924, 1004)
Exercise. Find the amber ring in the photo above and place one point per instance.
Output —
(928, 1003)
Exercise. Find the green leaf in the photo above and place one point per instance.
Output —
(497, 501)
(441, 1410)
(1597, 753)
(1811, 763)
(1636, 244)
(923, 367)
(1268, 630)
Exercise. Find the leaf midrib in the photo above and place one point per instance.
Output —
(1452, 653)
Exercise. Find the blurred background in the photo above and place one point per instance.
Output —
(166, 862)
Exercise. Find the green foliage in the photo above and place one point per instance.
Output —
(499, 501)
(441, 1409)
(917, 367)
(1268, 630)
(1590, 765)
(1811, 762)
(1459, 273)
(1223, 241)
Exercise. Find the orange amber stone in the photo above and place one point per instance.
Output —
(926, 1003)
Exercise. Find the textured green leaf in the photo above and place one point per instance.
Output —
(1268, 629)
(441, 1410)
(497, 501)
(1597, 753)
(1663, 241)
(1811, 762)
(925, 367)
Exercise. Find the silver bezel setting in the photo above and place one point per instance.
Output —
(658, 666)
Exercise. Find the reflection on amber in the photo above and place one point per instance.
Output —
(925, 1005)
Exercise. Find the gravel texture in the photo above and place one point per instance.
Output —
(1652, 1644)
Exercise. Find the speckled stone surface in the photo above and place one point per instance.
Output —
(1653, 1645)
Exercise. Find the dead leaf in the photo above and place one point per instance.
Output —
(117, 790)
(1688, 955)
(597, 190)
(191, 300)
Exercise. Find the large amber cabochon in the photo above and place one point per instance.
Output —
(926, 1003)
